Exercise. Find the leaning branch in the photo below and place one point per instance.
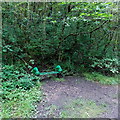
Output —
(75, 34)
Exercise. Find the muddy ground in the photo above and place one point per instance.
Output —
(57, 93)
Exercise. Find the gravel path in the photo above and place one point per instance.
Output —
(58, 93)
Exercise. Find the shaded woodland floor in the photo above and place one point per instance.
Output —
(94, 96)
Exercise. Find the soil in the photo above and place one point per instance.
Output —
(59, 93)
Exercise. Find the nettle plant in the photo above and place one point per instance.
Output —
(106, 64)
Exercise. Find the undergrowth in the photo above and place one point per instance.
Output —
(20, 91)
(98, 77)
(20, 103)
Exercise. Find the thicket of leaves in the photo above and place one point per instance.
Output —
(14, 78)
(77, 35)
(20, 91)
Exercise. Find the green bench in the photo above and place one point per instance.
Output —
(57, 71)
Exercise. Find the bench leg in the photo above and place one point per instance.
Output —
(59, 75)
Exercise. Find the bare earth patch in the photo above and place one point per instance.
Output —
(60, 98)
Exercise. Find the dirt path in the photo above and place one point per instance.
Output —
(58, 94)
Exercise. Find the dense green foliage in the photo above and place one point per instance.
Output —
(20, 103)
(19, 91)
(14, 79)
(70, 34)
(79, 36)
(106, 65)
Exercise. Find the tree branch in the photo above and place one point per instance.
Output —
(73, 34)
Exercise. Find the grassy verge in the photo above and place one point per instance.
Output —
(77, 108)
(82, 109)
(20, 102)
(94, 76)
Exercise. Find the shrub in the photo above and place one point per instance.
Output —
(98, 77)
(20, 91)
(13, 79)
(106, 65)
